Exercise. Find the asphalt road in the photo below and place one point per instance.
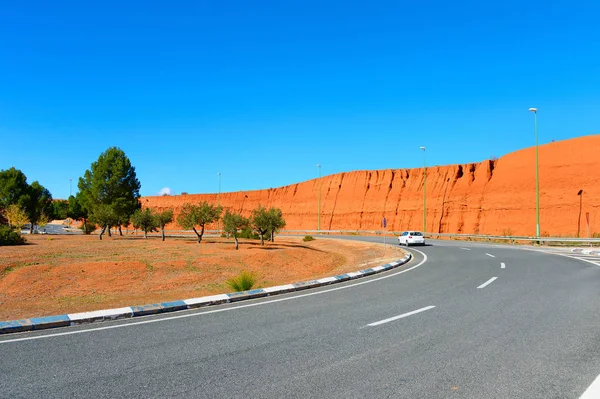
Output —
(424, 331)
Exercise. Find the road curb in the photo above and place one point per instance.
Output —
(71, 319)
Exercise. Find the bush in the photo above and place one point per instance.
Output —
(248, 234)
(88, 228)
(244, 282)
(308, 238)
(10, 237)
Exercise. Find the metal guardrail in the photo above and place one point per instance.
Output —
(427, 235)
(447, 235)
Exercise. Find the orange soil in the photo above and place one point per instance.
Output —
(491, 197)
(66, 274)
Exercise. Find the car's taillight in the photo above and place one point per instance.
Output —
(409, 236)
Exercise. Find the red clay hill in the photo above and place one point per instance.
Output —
(490, 197)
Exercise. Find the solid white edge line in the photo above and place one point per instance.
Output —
(593, 391)
(487, 282)
(377, 323)
(566, 255)
(502, 265)
(490, 255)
(183, 316)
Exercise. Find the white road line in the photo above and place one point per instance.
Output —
(377, 323)
(502, 265)
(466, 249)
(487, 282)
(250, 305)
(490, 255)
(593, 391)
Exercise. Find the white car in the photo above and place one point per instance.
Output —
(410, 238)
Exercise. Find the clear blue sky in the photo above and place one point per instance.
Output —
(263, 91)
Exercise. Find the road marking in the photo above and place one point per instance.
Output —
(487, 282)
(593, 391)
(183, 316)
(490, 255)
(377, 323)
(502, 265)
(466, 249)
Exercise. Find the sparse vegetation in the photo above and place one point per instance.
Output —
(88, 227)
(162, 219)
(232, 223)
(10, 237)
(145, 220)
(198, 215)
(244, 282)
(308, 238)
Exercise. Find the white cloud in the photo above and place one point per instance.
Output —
(165, 191)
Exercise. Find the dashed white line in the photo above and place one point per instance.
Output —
(487, 282)
(377, 323)
(593, 390)
(490, 255)
(502, 265)
(465, 249)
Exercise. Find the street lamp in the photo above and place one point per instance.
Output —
(537, 174)
(424, 191)
(219, 196)
(68, 203)
(319, 206)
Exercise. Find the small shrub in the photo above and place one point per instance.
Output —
(248, 234)
(308, 238)
(507, 233)
(244, 282)
(88, 228)
(10, 237)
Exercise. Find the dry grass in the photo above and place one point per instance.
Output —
(63, 274)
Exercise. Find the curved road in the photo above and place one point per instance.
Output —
(424, 331)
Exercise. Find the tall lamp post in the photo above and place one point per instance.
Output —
(319, 203)
(219, 195)
(219, 201)
(68, 204)
(537, 174)
(424, 191)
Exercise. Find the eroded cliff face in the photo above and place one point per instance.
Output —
(491, 197)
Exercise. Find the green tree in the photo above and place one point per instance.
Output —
(163, 218)
(77, 211)
(33, 199)
(110, 182)
(104, 216)
(13, 188)
(232, 222)
(37, 203)
(144, 220)
(275, 221)
(260, 222)
(59, 210)
(198, 215)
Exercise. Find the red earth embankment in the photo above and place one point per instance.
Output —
(490, 197)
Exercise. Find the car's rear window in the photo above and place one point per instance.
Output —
(416, 233)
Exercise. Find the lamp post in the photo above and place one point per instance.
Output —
(319, 203)
(68, 204)
(219, 201)
(219, 195)
(537, 174)
(424, 191)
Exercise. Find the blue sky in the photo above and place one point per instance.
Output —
(263, 91)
